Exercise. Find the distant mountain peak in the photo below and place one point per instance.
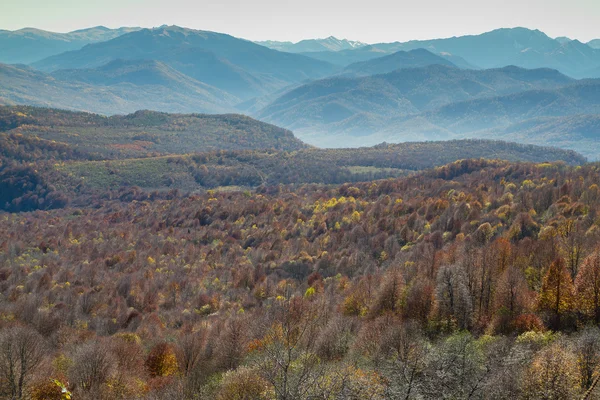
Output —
(563, 39)
(330, 43)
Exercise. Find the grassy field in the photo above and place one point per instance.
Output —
(148, 173)
(357, 169)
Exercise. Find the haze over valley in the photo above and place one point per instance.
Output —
(330, 92)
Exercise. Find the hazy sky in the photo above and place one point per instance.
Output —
(370, 21)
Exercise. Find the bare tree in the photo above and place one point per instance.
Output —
(21, 352)
(452, 296)
(288, 361)
(189, 351)
(92, 367)
(405, 368)
(587, 349)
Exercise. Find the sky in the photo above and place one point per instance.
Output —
(369, 21)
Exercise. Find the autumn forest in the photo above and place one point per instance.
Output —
(478, 279)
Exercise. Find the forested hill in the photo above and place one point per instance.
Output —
(146, 132)
(54, 174)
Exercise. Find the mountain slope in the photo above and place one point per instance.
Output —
(580, 132)
(566, 117)
(579, 98)
(401, 59)
(116, 88)
(240, 67)
(28, 45)
(309, 45)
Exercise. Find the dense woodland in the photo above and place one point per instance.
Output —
(476, 280)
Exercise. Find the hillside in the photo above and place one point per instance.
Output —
(401, 59)
(242, 68)
(363, 105)
(28, 45)
(594, 73)
(116, 88)
(145, 132)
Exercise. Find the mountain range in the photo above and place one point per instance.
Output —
(517, 83)
(399, 93)
(312, 45)
(515, 46)
(443, 102)
(28, 45)
(242, 68)
(395, 61)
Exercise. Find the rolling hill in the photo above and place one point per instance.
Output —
(469, 116)
(28, 45)
(242, 68)
(144, 132)
(441, 103)
(116, 88)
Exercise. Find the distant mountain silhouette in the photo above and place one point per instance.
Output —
(237, 66)
(28, 45)
(329, 44)
(515, 46)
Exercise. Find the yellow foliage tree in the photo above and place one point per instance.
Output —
(557, 293)
(244, 383)
(552, 375)
(587, 285)
(162, 360)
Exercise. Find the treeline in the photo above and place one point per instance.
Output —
(476, 280)
(23, 188)
(24, 148)
(249, 169)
